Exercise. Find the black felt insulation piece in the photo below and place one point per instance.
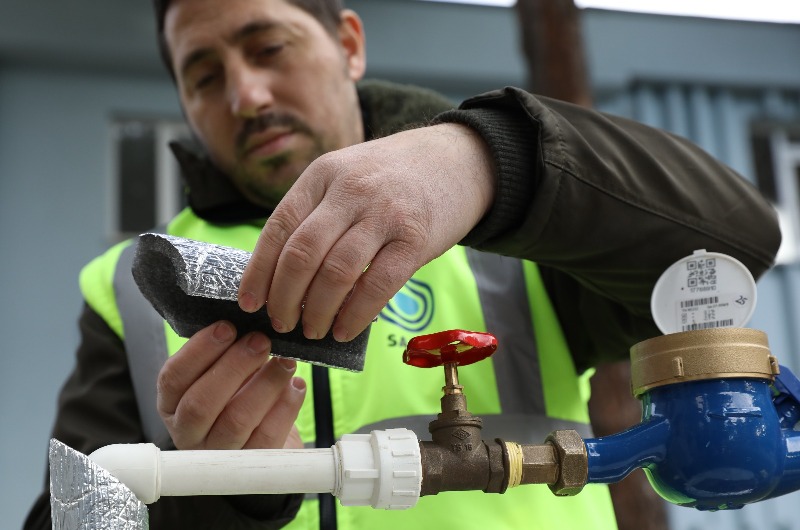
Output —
(160, 269)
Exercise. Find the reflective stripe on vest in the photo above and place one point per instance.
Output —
(507, 314)
(145, 344)
(520, 428)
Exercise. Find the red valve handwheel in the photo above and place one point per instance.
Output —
(454, 346)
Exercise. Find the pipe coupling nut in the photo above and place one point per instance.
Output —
(573, 462)
(382, 469)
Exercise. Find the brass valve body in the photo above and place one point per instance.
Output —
(473, 464)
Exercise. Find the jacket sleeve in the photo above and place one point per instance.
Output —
(604, 205)
(97, 407)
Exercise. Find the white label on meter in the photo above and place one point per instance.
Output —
(702, 291)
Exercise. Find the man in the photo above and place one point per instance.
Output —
(363, 229)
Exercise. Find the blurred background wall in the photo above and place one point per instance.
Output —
(72, 72)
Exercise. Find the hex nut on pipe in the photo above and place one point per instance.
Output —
(573, 462)
(539, 464)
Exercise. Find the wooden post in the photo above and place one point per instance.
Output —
(553, 48)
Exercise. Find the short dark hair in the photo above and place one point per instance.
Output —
(327, 12)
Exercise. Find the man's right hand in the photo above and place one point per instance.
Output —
(360, 221)
(217, 392)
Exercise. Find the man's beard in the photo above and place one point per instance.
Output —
(261, 182)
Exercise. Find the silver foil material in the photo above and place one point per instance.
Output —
(84, 496)
(193, 284)
(212, 271)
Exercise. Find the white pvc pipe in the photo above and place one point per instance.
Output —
(151, 473)
(243, 472)
(382, 469)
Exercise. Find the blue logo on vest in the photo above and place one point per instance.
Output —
(412, 307)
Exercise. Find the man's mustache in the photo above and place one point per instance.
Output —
(263, 122)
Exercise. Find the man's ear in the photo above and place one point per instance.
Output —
(351, 37)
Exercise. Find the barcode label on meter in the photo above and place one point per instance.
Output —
(709, 311)
(709, 325)
(700, 301)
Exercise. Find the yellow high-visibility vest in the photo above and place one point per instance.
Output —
(527, 389)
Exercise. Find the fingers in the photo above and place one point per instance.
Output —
(184, 368)
(257, 275)
(386, 275)
(214, 392)
(332, 282)
(277, 429)
(296, 206)
(262, 412)
(317, 260)
(316, 289)
(299, 263)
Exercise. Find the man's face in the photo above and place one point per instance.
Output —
(266, 87)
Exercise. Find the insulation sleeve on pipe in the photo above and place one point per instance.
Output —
(193, 284)
(84, 496)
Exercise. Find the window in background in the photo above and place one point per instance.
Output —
(147, 190)
(776, 155)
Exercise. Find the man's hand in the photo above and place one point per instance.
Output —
(359, 222)
(220, 393)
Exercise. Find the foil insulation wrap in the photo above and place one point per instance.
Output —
(84, 496)
(205, 270)
(193, 284)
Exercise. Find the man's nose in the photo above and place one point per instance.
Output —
(249, 91)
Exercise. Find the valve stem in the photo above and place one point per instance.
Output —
(451, 385)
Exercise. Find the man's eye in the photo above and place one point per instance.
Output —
(205, 81)
(269, 51)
